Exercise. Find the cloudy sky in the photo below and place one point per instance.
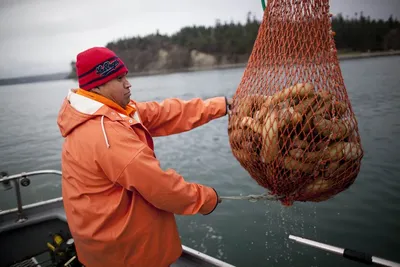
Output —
(44, 36)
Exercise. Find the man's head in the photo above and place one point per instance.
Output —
(100, 70)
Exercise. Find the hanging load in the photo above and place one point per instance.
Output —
(292, 126)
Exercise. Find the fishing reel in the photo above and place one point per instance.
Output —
(62, 251)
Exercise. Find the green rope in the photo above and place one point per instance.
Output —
(263, 4)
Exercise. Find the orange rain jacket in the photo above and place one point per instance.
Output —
(119, 203)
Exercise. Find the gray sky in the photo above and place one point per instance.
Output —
(44, 36)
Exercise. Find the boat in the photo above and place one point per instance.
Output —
(38, 235)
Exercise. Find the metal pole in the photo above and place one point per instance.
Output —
(21, 217)
(346, 253)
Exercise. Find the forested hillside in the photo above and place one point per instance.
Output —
(231, 43)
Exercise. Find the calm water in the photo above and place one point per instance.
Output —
(365, 217)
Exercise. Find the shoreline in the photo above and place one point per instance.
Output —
(358, 55)
(341, 57)
(49, 77)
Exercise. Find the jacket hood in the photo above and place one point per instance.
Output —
(77, 110)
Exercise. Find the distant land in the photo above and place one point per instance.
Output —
(66, 75)
(34, 78)
(229, 45)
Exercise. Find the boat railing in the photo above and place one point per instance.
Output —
(23, 180)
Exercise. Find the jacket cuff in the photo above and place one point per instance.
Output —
(216, 203)
(226, 105)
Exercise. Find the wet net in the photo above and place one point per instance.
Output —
(292, 126)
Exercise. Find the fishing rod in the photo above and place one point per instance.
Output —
(346, 252)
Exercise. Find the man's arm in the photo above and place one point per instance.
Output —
(174, 116)
(132, 164)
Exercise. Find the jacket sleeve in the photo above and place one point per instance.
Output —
(174, 115)
(132, 164)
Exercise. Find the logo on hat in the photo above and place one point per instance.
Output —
(107, 67)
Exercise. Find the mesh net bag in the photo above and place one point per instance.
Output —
(292, 127)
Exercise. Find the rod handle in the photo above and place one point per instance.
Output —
(357, 256)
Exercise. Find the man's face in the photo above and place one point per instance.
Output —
(118, 90)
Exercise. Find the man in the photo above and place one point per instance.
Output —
(119, 203)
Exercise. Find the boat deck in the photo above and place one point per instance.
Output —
(50, 217)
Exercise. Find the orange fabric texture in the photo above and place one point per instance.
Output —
(119, 203)
(128, 111)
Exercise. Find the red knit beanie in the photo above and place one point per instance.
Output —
(96, 66)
